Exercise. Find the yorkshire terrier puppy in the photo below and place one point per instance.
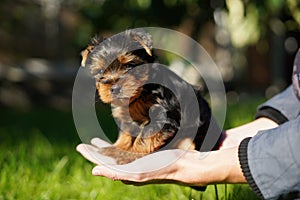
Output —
(149, 115)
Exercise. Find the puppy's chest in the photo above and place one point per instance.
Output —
(137, 111)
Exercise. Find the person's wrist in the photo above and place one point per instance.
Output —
(215, 167)
(224, 167)
(234, 172)
(193, 169)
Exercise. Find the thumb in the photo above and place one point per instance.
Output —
(105, 171)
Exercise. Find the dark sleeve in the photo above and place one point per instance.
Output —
(281, 108)
(271, 162)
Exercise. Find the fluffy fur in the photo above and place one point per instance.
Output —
(121, 82)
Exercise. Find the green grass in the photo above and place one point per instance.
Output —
(38, 161)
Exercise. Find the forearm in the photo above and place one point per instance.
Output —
(233, 137)
(225, 166)
(224, 163)
(199, 169)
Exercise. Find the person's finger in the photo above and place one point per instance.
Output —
(86, 151)
(85, 147)
(99, 143)
(91, 153)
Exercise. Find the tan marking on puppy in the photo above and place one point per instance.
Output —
(126, 58)
(147, 49)
(85, 54)
(124, 141)
(151, 143)
(104, 92)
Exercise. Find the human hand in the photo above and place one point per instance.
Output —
(185, 167)
(90, 152)
(169, 166)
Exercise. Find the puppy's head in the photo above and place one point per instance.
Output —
(110, 61)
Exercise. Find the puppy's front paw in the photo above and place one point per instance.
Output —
(119, 155)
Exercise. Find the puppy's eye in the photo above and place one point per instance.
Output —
(98, 77)
(130, 65)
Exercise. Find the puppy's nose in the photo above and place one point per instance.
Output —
(115, 89)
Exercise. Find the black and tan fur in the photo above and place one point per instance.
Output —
(110, 61)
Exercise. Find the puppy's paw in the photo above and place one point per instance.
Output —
(119, 155)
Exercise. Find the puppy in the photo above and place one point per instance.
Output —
(146, 98)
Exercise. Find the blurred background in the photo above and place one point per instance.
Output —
(253, 43)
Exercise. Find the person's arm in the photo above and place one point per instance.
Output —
(234, 136)
(271, 161)
(188, 168)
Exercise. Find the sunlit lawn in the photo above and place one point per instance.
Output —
(38, 161)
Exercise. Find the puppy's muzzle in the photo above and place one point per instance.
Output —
(115, 89)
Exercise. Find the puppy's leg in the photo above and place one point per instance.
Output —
(124, 141)
(146, 143)
(121, 151)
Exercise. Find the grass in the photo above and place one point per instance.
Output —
(38, 161)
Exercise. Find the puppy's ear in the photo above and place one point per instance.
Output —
(144, 39)
(85, 53)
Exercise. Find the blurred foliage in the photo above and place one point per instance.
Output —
(251, 41)
(58, 28)
(251, 20)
